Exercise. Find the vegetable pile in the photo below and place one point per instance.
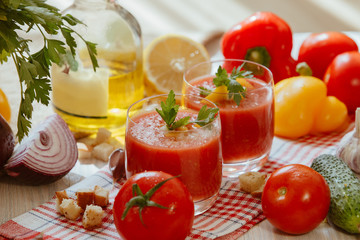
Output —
(302, 105)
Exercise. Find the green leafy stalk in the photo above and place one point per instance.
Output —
(34, 69)
(169, 110)
(235, 89)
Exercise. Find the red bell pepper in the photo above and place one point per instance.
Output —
(264, 38)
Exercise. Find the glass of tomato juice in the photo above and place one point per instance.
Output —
(194, 153)
(247, 128)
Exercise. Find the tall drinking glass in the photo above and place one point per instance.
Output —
(193, 152)
(247, 128)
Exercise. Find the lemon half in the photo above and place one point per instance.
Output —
(166, 59)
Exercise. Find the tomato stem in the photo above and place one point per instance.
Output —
(282, 191)
(143, 200)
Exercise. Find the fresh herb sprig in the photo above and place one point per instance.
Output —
(34, 69)
(169, 110)
(235, 89)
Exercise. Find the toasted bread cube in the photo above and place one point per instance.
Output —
(116, 143)
(70, 209)
(103, 151)
(88, 141)
(60, 195)
(251, 181)
(84, 151)
(84, 197)
(102, 135)
(101, 196)
(93, 216)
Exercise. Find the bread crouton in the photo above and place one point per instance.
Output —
(85, 197)
(93, 216)
(102, 135)
(60, 195)
(253, 183)
(103, 151)
(70, 209)
(101, 196)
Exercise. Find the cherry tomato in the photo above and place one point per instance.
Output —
(5, 110)
(168, 213)
(343, 79)
(295, 199)
(319, 49)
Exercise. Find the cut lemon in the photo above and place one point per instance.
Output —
(166, 59)
(218, 95)
(245, 83)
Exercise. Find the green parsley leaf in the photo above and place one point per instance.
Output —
(18, 16)
(169, 111)
(181, 122)
(206, 115)
(235, 89)
(204, 92)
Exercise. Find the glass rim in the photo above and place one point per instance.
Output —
(213, 61)
(176, 94)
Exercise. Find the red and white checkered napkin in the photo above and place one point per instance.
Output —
(233, 213)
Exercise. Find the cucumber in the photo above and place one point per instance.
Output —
(344, 186)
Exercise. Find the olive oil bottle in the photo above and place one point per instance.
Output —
(88, 100)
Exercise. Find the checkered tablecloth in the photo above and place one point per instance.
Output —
(232, 215)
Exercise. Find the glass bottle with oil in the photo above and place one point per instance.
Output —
(88, 100)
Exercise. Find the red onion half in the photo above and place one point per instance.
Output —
(46, 155)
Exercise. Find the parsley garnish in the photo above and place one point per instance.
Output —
(204, 92)
(169, 110)
(206, 115)
(34, 69)
(235, 89)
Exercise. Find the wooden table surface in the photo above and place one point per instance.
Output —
(173, 17)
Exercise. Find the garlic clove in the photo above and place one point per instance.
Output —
(349, 146)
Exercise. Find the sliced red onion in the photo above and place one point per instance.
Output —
(46, 155)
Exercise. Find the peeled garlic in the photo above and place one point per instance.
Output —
(349, 147)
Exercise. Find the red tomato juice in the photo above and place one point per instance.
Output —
(247, 129)
(193, 154)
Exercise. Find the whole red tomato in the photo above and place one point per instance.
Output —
(342, 78)
(319, 49)
(295, 199)
(162, 208)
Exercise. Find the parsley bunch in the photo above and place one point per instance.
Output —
(235, 89)
(169, 110)
(34, 68)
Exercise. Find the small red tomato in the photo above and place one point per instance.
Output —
(319, 49)
(295, 199)
(153, 205)
(343, 79)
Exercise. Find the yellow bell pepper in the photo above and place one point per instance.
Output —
(302, 107)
